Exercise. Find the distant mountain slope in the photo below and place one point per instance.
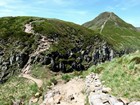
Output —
(138, 28)
(116, 31)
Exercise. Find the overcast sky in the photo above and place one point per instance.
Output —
(77, 11)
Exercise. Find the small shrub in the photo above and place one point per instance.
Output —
(34, 88)
(54, 81)
(131, 65)
(77, 73)
(66, 77)
(97, 70)
(49, 83)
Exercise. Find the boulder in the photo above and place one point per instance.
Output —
(106, 90)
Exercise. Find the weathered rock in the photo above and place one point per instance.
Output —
(33, 100)
(106, 90)
(124, 100)
(4, 68)
(23, 60)
(134, 103)
(37, 95)
(12, 59)
(46, 61)
(119, 103)
(5, 63)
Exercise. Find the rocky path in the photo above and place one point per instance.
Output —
(43, 45)
(78, 91)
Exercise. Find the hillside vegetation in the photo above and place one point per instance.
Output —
(17, 45)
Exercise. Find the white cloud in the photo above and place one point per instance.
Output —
(2, 3)
(55, 2)
(14, 8)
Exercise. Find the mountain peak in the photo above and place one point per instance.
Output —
(106, 12)
(103, 18)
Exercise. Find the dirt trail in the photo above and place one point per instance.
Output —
(43, 45)
(70, 93)
(102, 27)
(37, 81)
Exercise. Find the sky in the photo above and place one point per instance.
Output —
(77, 11)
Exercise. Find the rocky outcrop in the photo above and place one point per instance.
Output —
(78, 58)
(7, 67)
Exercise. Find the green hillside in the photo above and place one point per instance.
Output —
(51, 42)
(116, 31)
(12, 31)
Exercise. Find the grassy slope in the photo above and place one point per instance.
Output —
(121, 37)
(14, 41)
(67, 33)
(18, 88)
(122, 75)
(12, 35)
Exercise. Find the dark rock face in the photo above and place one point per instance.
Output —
(23, 59)
(78, 58)
(8, 67)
